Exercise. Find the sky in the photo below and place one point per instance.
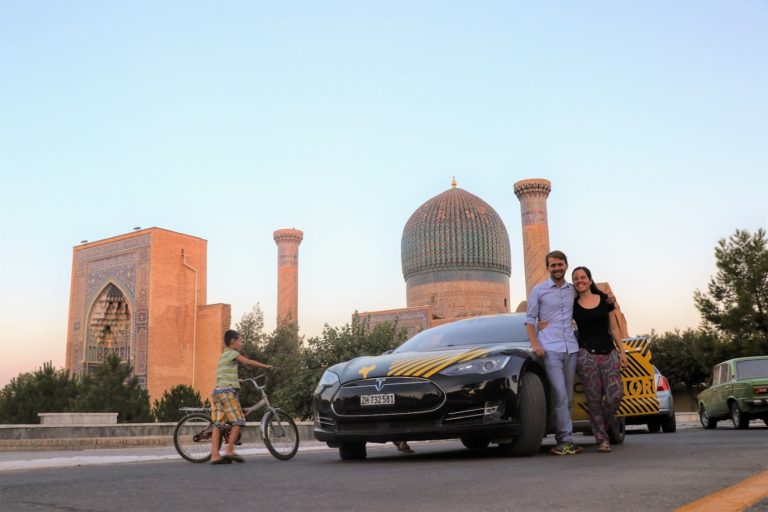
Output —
(230, 120)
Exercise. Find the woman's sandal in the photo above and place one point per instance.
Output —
(222, 460)
(604, 447)
(234, 457)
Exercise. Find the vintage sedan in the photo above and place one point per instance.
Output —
(739, 391)
(474, 379)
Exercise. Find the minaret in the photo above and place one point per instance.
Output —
(288, 241)
(533, 195)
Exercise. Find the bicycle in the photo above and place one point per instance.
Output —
(193, 433)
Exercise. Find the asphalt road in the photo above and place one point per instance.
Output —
(649, 472)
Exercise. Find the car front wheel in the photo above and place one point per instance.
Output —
(352, 451)
(739, 419)
(706, 420)
(533, 418)
(475, 443)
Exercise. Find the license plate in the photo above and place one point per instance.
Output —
(383, 399)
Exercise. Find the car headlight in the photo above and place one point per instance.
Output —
(478, 366)
(329, 379)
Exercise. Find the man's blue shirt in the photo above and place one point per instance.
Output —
(554, 305)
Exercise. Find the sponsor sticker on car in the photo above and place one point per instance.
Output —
(638, 381)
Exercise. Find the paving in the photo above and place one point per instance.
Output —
(26, 459)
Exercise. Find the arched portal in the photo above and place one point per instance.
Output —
(109, 328)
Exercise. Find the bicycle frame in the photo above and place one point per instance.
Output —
(246, 412)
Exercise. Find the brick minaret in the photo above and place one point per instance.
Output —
(288, 241)
(533, 195)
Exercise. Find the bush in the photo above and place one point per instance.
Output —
(167, 408)
(112, 388)
(44, 390)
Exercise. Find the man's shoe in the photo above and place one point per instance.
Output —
(562, 449)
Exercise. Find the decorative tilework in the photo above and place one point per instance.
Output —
(126, 265)
(455, 230)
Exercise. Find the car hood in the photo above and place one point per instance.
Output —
(422, 363)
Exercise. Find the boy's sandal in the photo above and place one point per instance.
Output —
(222, 460)
(234, 457)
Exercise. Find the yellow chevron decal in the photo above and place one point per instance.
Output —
(412, 363)
(471, 355)
(428, 365)
(416, 372)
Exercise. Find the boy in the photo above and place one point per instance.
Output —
(226, 406)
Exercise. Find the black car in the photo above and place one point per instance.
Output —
(475, 379)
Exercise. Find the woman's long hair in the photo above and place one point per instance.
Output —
(592, 286)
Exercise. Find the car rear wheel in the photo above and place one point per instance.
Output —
(654, 426)
(475, 443)
(352, 451)
(669, 425)
(617, 431)
(739, 419)
(706, 420)
(533, 418)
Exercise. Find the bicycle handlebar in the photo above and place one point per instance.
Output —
(254, 380)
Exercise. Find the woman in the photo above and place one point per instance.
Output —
(601, 354)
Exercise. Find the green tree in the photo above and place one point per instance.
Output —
(251, 329)
(336, 344)
(113, 388)
(736, 300)
(686, 358)
(167, 407)
(44, 390)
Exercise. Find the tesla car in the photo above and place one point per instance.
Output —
(475, 379)
(739, 391)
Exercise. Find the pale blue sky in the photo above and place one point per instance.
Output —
(230, 120)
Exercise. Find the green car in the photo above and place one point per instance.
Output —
(739, 391)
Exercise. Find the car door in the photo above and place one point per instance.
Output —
(723, 391)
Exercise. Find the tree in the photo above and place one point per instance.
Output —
(113, 388)
(686, 358)
(336, 344)
(251, 329)
(168, 407)
(736, 301)
(45, 390)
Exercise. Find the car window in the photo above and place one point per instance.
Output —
(716, 375)
(476, 331)
(723, 378)
(727, 377)
(752, 369)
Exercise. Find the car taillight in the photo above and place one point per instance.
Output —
(663, 384)
(759, 390)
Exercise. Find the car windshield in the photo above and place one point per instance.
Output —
(476, 331)
(752, 369)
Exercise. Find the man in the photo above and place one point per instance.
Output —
(551, 305)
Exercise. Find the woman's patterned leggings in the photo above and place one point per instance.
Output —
(600, 376)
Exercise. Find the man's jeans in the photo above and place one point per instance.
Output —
(561, 370)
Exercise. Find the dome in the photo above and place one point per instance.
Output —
(455, 233)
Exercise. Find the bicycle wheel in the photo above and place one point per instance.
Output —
(280, 435)
(192, 437)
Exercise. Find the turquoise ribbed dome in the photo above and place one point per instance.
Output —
(455, 231)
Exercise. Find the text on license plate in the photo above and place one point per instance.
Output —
(383, 399)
